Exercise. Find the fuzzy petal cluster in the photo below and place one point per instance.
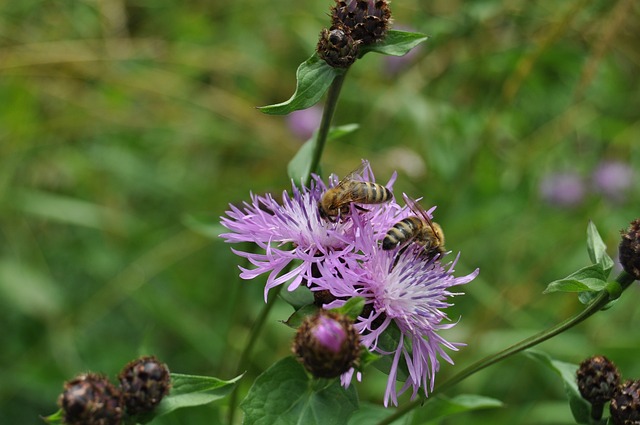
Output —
(406, 291)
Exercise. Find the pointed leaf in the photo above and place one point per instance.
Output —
(55, 418)
(299, 167)
(442, 407)
(313, 78)
(597, 249)
(580, 408)
(295, 320)
(590, 278)
(396, 43)
(285, 395)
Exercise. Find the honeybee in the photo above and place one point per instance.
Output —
(417, 228)
(336, 200)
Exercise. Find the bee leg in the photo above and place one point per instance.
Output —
(397, 257)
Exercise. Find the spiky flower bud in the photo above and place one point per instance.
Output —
(598, 378)
(625, 404)
(337, 47)
(630, 249)
(367, 20)
(327, 344)
(144, 382)
(90, 399)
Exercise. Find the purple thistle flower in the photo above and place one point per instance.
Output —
(293, 230)
(403, 288)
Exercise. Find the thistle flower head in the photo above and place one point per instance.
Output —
(90, 399)
(597, 377)
(367, 20)
(144, 383)
(327, 344)
(406, 288)
(337, 47)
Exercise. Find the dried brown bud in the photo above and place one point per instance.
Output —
(90, 399)
(327, 344)
(625, 404)
(367, 20)
(337, 47)
(144, 382)
(597, 379)
(630, 249)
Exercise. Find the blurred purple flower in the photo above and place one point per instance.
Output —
(303, 123)
(613, 179)
(294, 230)
(404, 289)
(563, 189)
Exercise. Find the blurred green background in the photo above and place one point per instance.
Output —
(127, 126)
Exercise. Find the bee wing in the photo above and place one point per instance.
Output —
(355, 173)
(417, 209)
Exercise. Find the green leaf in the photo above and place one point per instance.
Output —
(590, 278)
(352, 308)
(580, 408)
(597, 249)
(388, 342)
(55, 418)
(439, 407)
(299, 167)
(314, 76)
(286, 395)
(367, 358)
(189, 391)
(396, 43)
(295, 320)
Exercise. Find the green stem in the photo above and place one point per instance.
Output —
(253, 337)
(623, 282)
(325, 124)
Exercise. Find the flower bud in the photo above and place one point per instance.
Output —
(625, 404)
(90, 399)
(144, 382)
(337, 47)
(630, 249)
(327, 344)
(598, 378)
(367, 20)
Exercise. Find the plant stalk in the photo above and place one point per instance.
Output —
(253, 337)
(325, 124)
